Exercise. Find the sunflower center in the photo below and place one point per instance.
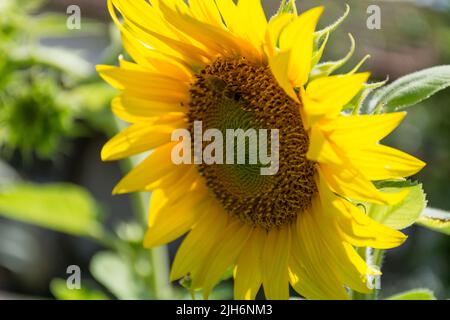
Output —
(236, 94)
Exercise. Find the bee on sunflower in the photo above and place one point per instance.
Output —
(298, 227)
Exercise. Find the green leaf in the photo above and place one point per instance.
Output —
(287, 6)
(403, 214)
(414, 294)
(61, 207)
(117, 275)
(435, 219)
(60, 291)
(411, 89)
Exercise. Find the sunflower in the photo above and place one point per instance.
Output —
(225, 64)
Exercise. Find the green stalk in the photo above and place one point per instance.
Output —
(159, 257)
(373, 258)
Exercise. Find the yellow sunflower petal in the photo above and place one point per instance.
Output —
(195, 251)
(133, 110)
(135, 50)
(225, 254)
(379, 162)
(362, 231)
(141, 37)
(350, 268)
(248, 272)
(302, 284)
(325, 97)
(213, 38)
(321, 150)
(174, 219)
(124, 64)
(230, 15)
(370, 128)
(173, 178)
(143, 15)
(168, 190)
(349, 182)
(332, 142)
(279, 65)
(206, 11)
(145, 84)
(144, 23)
(299, 277)
(275, 264)
(321, 267)
(138, 138)
(154, 167)
(274, 28)
(173, 4)
(298, 37)
(359, 229)
(156, 61)
(192, 54)
(253, 21)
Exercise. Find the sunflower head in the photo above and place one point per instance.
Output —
(238, 94)
(224, 65)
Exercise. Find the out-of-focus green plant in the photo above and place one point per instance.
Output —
(41, 87)
(59, 289)
(33, 119)
(77, 211)
(44, 92)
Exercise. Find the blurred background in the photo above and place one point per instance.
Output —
(54, 119)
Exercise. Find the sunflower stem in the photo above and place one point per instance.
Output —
(378, 258)
(159, 259)
(374, 258)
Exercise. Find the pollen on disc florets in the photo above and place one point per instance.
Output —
(237, 94)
